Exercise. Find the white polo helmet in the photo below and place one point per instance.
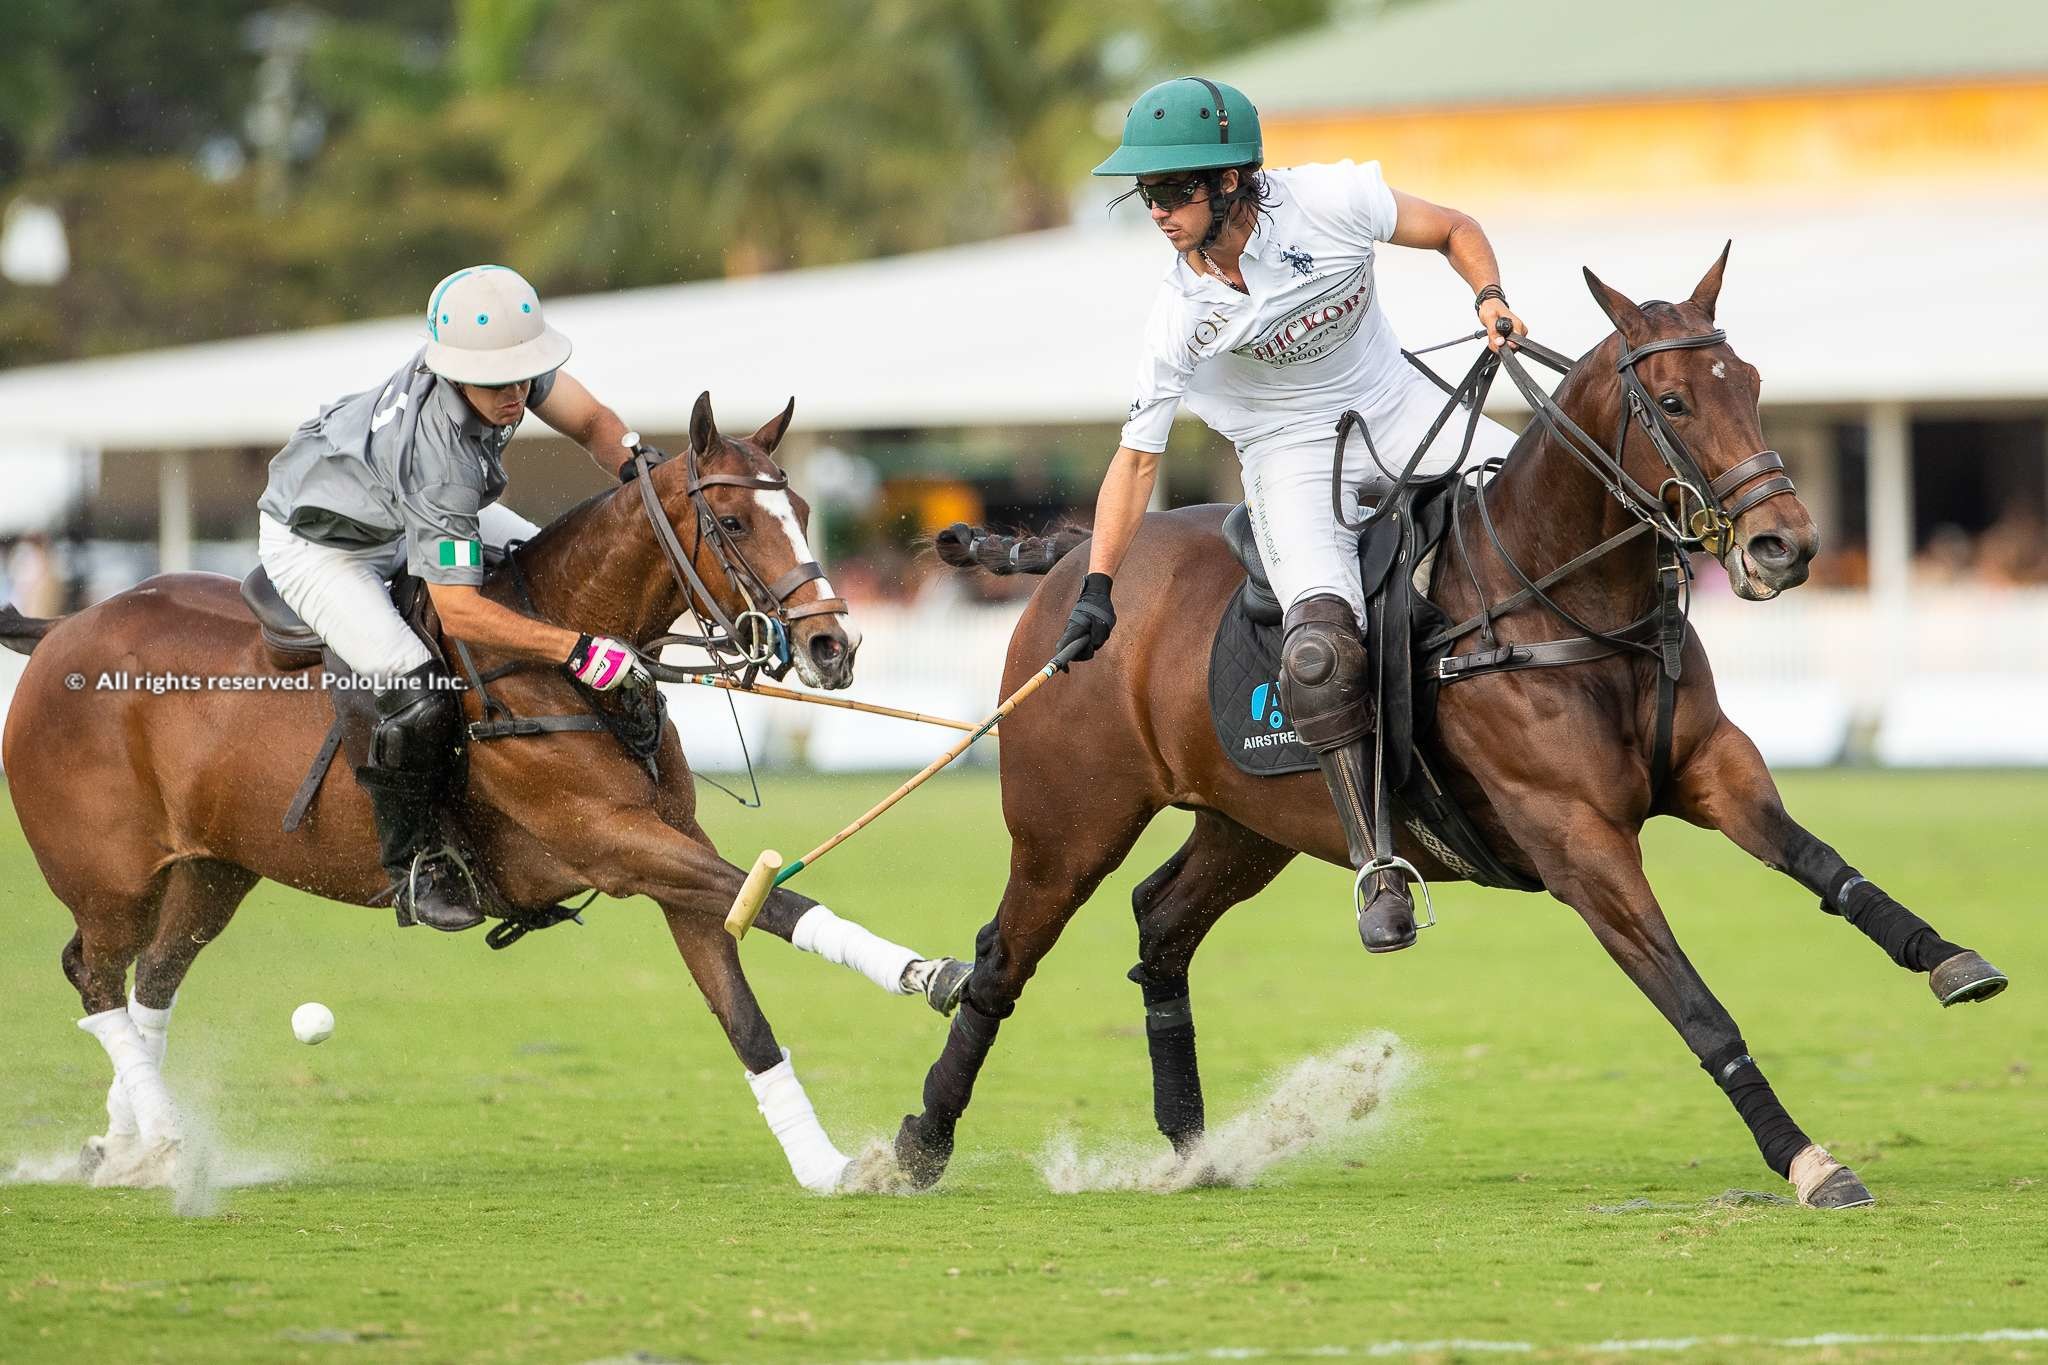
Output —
(484, 327)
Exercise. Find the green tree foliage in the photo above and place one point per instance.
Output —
(597, 145)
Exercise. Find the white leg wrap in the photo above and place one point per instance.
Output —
(813, 1160)
(846, 943)
(136, 1073)
(155, 1024)
(156, 1028)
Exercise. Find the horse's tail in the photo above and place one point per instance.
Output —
(972, 547)
(22, 633)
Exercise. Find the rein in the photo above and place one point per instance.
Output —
(766, 603)
(1704, 519)
(759, 635)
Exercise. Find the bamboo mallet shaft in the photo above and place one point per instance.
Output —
(843, 703)
(748, 903)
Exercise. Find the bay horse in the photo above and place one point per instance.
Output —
(1554, 764)
(152, 816)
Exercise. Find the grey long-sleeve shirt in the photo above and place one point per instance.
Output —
(409, 461)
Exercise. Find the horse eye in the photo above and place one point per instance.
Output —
(733, 525)
(1672, 404)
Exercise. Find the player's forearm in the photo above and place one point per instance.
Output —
(1471, 255)
(1120, 507)
(601, 438)
(471, 617)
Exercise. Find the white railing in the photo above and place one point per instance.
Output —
(1950, 677)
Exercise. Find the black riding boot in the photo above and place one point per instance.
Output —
(412, 750)
(1324, 691)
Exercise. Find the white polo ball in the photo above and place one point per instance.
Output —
(312, 1022)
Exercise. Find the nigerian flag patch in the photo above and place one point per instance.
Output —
(461, 554)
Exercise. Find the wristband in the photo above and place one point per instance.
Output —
(1492, 291)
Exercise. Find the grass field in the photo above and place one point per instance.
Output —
(550, 1155)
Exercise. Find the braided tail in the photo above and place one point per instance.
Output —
(21, 633)
(973, 547)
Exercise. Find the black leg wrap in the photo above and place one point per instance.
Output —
(1909, 940)
(1176, 1075)
(988, 960)
(1777, 1136)
(949, 1085)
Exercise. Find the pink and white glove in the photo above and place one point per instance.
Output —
(601, 663)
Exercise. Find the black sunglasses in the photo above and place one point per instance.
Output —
(1170, 194)
(1167, 194)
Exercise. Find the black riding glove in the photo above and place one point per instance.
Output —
(630, 471)
(1092, 620)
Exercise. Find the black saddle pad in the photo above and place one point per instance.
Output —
(1244, 696)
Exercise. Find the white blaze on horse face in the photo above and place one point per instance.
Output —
(778, 506)
(1720, 369)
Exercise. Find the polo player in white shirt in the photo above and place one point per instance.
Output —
(1268, 327)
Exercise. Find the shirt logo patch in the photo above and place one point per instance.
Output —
(460, 554)
(1303, 263)
(1206, 331)
(1319, 326)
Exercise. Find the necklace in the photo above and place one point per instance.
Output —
(1217, 270)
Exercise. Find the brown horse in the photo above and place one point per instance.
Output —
(1554, 764)
(152, 816)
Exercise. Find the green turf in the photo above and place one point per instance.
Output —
(550, 1155)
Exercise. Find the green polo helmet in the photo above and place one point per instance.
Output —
(1187, 124)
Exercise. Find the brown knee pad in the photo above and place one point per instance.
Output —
(1323, 683)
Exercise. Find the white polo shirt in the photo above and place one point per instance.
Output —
(1280, 364)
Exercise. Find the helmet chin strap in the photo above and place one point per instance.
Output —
(1222, 205)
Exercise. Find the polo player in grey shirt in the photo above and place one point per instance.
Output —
(407, 476)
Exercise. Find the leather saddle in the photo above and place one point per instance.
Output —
(290, 642)
(1397, 564)
(1258, 601)
(1377, 554)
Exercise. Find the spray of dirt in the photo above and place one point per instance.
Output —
(198, 1169)
(1324, 1103)
(875, 1170)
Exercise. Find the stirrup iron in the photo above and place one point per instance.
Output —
(1390, 863)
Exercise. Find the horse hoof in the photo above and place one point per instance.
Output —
(1965, 979)
(922, 1160)
(1387, 925)
(90, 1156)
(1842, 1190)
(948, 984)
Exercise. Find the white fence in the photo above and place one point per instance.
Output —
(1952, 678)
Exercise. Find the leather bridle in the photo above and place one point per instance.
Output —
(758, 637)
(1705, 519)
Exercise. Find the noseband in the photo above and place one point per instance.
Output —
(1706, 520)
(759, 634)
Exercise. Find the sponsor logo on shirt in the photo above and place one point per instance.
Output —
(1206, 331)
(1303, 263)
(1320, 326)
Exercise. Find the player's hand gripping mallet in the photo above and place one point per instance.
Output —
(768, 871)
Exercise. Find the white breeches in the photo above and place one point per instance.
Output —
(1305, 551)
(343, 594)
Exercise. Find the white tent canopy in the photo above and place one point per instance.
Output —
(1874, 302)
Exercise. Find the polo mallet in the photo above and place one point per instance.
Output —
(768, 871)
(812, 698)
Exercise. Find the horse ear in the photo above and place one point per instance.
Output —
(1710, 283)
(770, 435)
(1621, 310)
(703, 431)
